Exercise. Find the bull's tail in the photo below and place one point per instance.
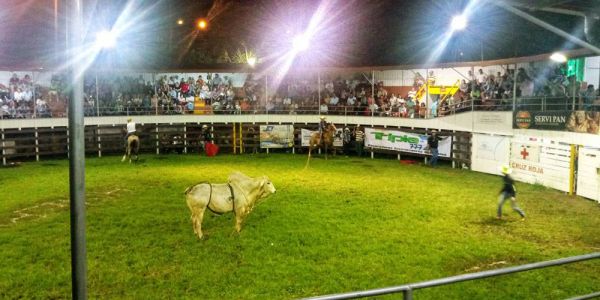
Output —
(134, 146)
(188, 189)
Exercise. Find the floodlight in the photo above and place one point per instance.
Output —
(252, 61)
(458, 23)
(300, 42)
(179, 21)
(106, 39)
(202, 24)
(558, 57)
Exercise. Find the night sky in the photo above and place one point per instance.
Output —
(351, 32)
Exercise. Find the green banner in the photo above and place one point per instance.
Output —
(576, 67)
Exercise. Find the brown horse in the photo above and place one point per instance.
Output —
(133, 146)
(325, 144)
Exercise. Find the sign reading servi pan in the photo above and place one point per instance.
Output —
(574, 121)
(404, 141)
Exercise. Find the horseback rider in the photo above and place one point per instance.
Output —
(322, 127)
(130, 129)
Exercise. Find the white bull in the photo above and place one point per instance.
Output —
(240, 194)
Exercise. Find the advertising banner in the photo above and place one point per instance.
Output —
(306, 134)
(404, 142)
(541, 162)
(550, 120)
(276, 136)
(574, 121)
(525, 152)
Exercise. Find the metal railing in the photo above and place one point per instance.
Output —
(407, 289)
(524, 103)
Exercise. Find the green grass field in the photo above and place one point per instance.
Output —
(343, 224)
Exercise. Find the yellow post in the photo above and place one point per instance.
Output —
(234, 146)
(572, 169)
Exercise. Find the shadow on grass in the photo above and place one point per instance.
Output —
(496, 222)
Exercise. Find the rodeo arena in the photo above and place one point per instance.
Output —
(315, 149)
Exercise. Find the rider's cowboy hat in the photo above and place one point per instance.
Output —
(128, 119)
(506, 170)
(204, 126)
(322, 117)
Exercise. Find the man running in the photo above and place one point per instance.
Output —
(508, 192)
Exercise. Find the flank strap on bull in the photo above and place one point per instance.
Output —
(210, 196)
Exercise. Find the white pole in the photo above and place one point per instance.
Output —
(97, 99)
(184, 138)
(33, 98)
(373, 85)
(319, 91)
(157, 143)
(3, 149)
(427, 93)
(37, 143)
(99, 142)
(515, 88)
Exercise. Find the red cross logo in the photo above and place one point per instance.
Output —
(524, 153)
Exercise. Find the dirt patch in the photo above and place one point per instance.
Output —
(42, 210)
(495, 264)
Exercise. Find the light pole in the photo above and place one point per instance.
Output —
(77, 154)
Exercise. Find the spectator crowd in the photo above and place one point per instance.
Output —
(213, 93)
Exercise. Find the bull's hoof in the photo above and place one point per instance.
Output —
(124, 157)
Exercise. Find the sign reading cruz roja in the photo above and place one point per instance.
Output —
(526, 167)
(542, 161)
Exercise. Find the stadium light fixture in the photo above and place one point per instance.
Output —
(251, 61)
(179, 22)
(558, 57)
(202, 24)
(459, 22)
(300, 43)
(106, 39)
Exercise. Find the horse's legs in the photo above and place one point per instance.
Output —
(127, 151)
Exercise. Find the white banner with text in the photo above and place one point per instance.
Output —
(276, 136)
(541, 161)
(404, 141)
